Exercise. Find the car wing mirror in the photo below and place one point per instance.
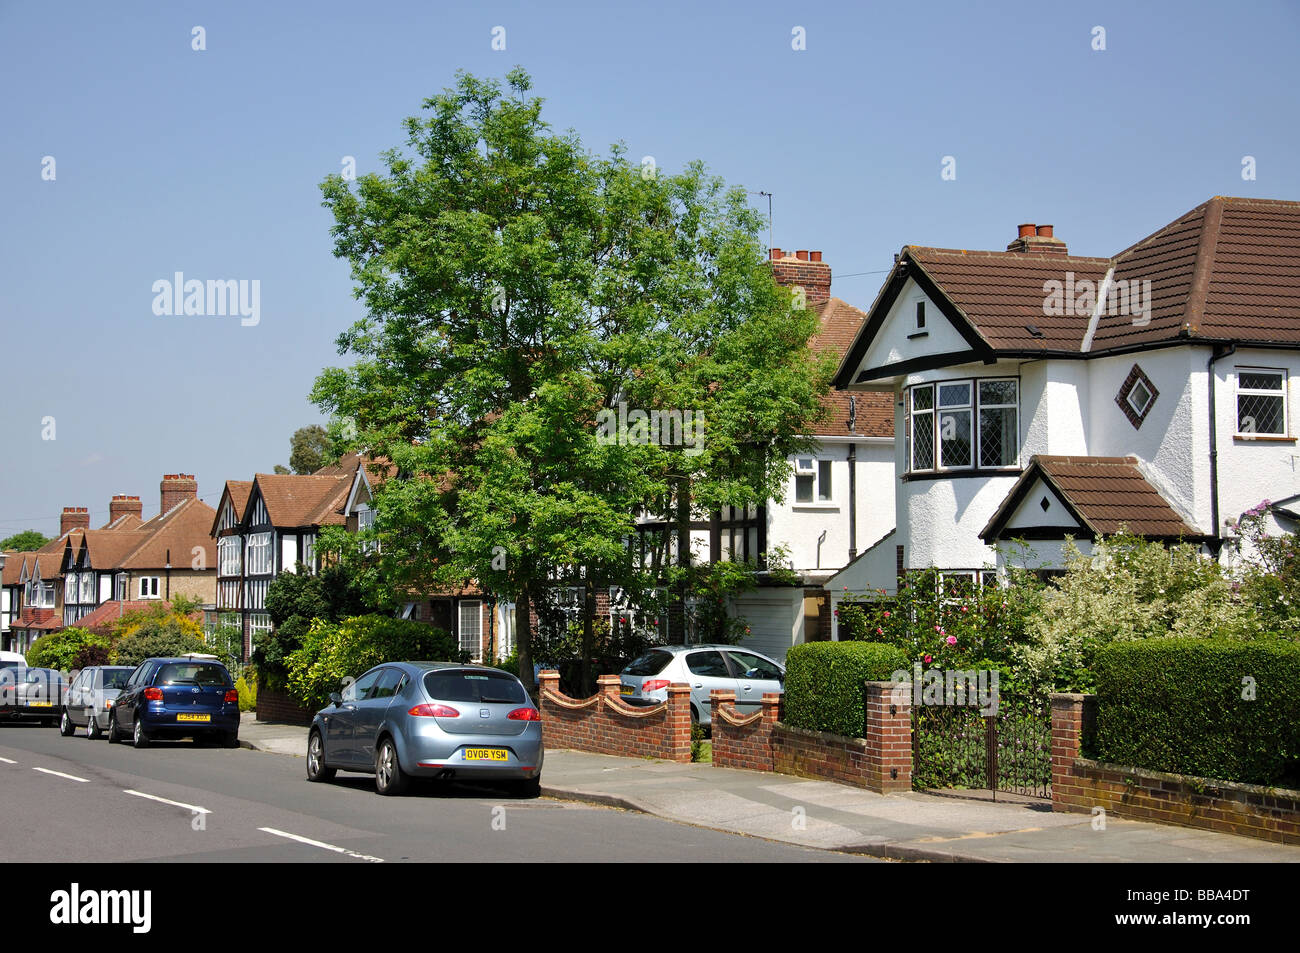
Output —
(336, 698)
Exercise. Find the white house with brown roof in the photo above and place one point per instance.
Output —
(1042, 394)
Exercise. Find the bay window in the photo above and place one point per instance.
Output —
(964, 425)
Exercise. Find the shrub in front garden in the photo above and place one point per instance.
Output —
(59, 650)
(1211, 708)
(333, 651)
(823, 683)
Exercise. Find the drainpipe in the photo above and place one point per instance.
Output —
(1215, 355)
(853, 480)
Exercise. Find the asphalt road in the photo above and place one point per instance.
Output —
(72, 800)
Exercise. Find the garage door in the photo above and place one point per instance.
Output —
(772, 623)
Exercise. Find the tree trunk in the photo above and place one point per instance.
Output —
(524, 640)
(683, 547)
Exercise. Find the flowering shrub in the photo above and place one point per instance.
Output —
(1270, 572)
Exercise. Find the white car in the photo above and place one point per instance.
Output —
(12, 660)
(705, 668)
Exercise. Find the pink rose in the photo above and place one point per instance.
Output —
(928, 659)
(887, 613)
(952, 640)
(880, 631)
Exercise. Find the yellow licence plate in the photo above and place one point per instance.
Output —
(626, 690)
(193, 717)
(486, 754)
(40, 704)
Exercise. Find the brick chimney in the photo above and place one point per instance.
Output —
(176, 488)
(74, 517)
(805, 269)
(121, 505)
(1037, 240)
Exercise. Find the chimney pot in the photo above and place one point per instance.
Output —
(1027, 230)
(1044, 231)
(775, 253)
(74, 517)
(801, 254)
(814, 256)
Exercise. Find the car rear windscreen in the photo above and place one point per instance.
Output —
(193, 673)
(652, 663)
(463, 686)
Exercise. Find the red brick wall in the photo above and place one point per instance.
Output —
(277, 706)
(604, 724)
(744, 741)
(880, 762)
(1080, 785)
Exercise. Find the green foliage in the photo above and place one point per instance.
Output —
(1127, 589)
(1270, 587)
(946, 621)
(333, 651)
(91, 654)
(310, 449)
(186, 605)
(824, 683)
(247, 688)
(59, 650)
(156, 631)
(518, 286)
(294, 600)
(701, 749)
(24, 542)
(1212, 708)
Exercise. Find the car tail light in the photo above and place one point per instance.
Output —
(232, 695)
(153, 694)
(524, 714)
(434, 711)
(654, 684)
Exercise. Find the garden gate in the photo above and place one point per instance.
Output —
(955, 746)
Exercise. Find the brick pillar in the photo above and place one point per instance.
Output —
(1073, 716)
(548, 679)
(717, 700)
(607, 685)
(888, 735)
(679, 721)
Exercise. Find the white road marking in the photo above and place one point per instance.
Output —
(324, 846)
(60, 774)
(7, 761)
(192, 808)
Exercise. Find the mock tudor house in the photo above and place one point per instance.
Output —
(1043, 395)
(31, 593)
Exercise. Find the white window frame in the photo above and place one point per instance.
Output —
(974, 408)
(817, 467)
(258, 623)
(474, 647)
(147, 587)
(260, 558)
(366, 524)
(1259, 392)
(229, 556)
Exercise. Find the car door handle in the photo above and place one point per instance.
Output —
(746, 687)
(698, 685)
(349, 707)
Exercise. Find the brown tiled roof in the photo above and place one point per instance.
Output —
(1227, 270)
(40, 620)
(108, 547)
(12, 573)
(108, 612)
(293, 500)
(875, 411)
(127, 521)
(1105, 494)
(238, 491)
(1001, 293)
(178, 532)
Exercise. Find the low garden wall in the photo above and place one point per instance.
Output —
(277, 706)
(1080, 784)
(880, 761)
(605, 724)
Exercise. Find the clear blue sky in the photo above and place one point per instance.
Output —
(208, 163)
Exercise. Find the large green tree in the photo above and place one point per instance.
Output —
(516, 286)
(310, 448)
(24, 542)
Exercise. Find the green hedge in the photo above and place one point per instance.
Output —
(823, 683)
(1177, 705)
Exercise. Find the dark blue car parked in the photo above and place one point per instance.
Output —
(191, 696)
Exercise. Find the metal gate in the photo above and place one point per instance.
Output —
(957, 747)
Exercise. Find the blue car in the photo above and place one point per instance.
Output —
(190, 696)
(429, 719)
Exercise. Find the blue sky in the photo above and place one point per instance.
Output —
(208, 163)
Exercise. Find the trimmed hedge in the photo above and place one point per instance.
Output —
(823, 683)
(1177, 705)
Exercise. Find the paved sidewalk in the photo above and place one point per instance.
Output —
(834, 816)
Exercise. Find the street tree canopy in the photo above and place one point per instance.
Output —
(24, 542)
(525, 298)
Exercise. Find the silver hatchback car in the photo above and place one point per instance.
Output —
(705, 668)
(90, 697)
(429, 719)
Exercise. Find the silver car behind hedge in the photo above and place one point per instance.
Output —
(429, 719)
